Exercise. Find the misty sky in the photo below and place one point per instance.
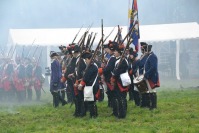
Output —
(74, 13)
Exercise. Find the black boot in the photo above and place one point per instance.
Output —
(55, 99)
(101, 95)
(82, 108)
(76, 114)
(63, 94)
(131, 96)
(148, 103)
(143, 100)
(69, 97)
(115, 105)
(153, 100)
(62, 100)
(93, 110)
(86, 106)
(122, 108)
(110, 103)
(95, 114)
(136, 96)
(110, 97)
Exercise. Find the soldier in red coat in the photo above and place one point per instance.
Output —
(8, 81)
(28, 82)
(19, 81)
(37, 80)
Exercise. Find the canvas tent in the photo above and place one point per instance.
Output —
(148, 33)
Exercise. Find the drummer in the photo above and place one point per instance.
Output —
(144, 95)
(151, 75)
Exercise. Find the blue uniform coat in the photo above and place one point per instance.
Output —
(55, 75)
(151, 68)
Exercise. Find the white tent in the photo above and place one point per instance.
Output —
(148, 33)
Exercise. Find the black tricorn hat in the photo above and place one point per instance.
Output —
(147, 48)
(86, 55)
(143, 43)
(119, 47)
(132, 52)
(76, 48)
(66, 52)
(112, 45)
(53, 53)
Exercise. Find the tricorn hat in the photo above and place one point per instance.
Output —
(147, 48)
(76, 48)
(112, 45)
(119, 47)
(143, 43)
(86, 55)
(53, 53)
(132, 52)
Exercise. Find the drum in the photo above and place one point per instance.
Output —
(141, 84)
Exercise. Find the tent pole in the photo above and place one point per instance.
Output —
(48, 60)
(178, 59)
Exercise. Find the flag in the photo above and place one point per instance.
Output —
(135, 35)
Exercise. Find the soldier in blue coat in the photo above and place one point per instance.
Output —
(80, 106)
(69, 74)
(151, 75)
(55, 80)
(133, 68)
(120, 91)
(141, 63)
(90, 78)
(106, 71)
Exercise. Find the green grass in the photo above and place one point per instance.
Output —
(178, 111)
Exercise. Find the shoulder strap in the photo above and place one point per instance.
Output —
(145, 63)
(96, 76)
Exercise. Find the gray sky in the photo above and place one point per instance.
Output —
(74, 13)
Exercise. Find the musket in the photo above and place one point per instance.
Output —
(9, 51)
(102, 47)
(87, 30)
(77, 35)
(43, 89)
(39, 57)
(109, 34)
(22, 54)
(119, 34)
(92, 41)
(115, 37)
(2, 51)
(118, 30)
(13, 51)
(105, 40)
(30, 47)
(89, 39)
(83, 40)
(35, 51)
(82, 46)
(93, 56)
(129, 33)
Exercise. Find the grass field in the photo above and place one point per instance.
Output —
(178, 112)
